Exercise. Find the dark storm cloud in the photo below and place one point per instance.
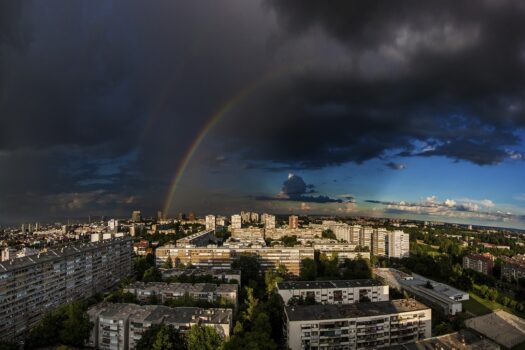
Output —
(421, 78)
(296, 190)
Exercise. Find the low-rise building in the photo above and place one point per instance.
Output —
(439, 296)
(356, 326)
(224, 275)
(209, 292)
(334, 292)
(483, 263)
(199, 239)
(513, 268)
(120, 326)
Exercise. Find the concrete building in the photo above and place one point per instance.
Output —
(293, 222)
(136, 216)
(209, 292)
(199, 239)
(354, 234)
(210, 222)
(269, 221)
(440, 297)
(357, 326)
(513, 268)
(120, 326)
(248, 233)
(365, 237)
(397, 244)
(220, 257)
(223, 275)
(483, 263)
(379, 241)
(334, 292)
(33, 285)
(236, 221)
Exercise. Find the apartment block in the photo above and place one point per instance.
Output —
(343, 251)
(334, 292)
(199, 239)
(33, 285)
(210, 222)
(236, 221)
(483, 263)
(379, 241)
(365, 237)
(220, 257)
(513, 268)
(120, 326)
(225, 275)
(382, 324)
(209, 292)
(397, 244)
(293, 222)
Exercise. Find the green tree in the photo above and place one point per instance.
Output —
(251, 305)
(168, 264)
(250, 268)
(152, 274)
(160, 337)
(328, 234)
(203, 338)
(308, 270)
(271, 278)
(76, 327)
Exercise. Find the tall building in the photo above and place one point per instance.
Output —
(113, 225)
(378, 241)
(23, 228)
(269, 221)
(365, 237)
(136, 216)
(254, 217)
(354, 234)
(382, 324)
(245, 216)
(191, 216)
(483, 263)
(210, 222)
(236, 221)
(398, 244)
(293, 222)
(33, 285)
(160, 217)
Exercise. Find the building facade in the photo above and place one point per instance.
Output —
(513, 268)
(210, 222)
(236, 221)
(209, 292)
(483, 263)
(379, 242)
(120, 326)
(356, 326)
(293, 222)
(334, 292)
(397, 244)
(33, 285)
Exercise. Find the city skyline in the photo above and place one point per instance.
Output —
(270, 106)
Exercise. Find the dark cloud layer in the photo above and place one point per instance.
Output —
(103, 99)
(425, 78)
(296, 190)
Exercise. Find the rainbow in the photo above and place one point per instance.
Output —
(215, 118)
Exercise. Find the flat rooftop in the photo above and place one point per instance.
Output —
(333, 311)
(462, 340)
(328, 284)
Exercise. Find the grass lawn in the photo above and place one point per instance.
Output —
(479, 306)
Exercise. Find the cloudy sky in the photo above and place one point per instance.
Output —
(409, 109)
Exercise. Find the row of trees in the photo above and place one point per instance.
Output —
(329, 267)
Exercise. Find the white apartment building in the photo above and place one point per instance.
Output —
(379, 241)
(209, 292)
(210, 222)
(236, 221)
(269, 221)
(398, 244)
(334, 292)
(365, 237)
(33, 285)
(120, 326)
(357, 326)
